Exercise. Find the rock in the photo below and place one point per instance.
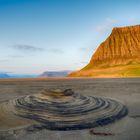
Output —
(67, 110)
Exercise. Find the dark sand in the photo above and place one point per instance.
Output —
(126, 91)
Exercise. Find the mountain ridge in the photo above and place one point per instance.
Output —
(62, 73)
(121, 48)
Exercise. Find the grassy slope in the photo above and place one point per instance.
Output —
(116, 71)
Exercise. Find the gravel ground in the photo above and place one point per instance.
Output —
(126, 91)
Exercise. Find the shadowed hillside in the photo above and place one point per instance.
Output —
(55, 73)
(117, 56)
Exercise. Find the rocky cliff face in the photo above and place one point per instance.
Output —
(121, 48)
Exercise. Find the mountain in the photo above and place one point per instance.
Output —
(13, 75)
(4, 75)
(117, 56)
(55, 73)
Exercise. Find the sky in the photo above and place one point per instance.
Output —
(54, 35)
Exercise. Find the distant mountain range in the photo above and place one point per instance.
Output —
(117, 56)
(43, 75)
(55, 73)
(4, 75)
(11, 75)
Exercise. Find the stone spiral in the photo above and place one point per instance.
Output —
(66, 110)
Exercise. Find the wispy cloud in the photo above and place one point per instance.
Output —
(83, 49)
(106, 25)
(55, 51)
(3, 60)
(15, 56)
(84, 62)
(27, 48)
(86, 49)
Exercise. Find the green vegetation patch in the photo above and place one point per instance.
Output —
(133, 72)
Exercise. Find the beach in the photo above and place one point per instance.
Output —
(124, 90)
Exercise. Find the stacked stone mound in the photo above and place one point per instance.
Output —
(66, 110)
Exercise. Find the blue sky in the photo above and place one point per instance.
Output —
(41, 35)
